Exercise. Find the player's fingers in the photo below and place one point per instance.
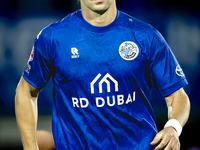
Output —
(173, 144)
(178, 146)
(163, 143)
(170, 146)
(156, 139)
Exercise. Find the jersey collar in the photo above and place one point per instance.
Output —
(92, 28)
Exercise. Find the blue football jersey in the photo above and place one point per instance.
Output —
(101, 80)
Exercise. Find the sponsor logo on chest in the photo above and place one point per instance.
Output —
(110, 101)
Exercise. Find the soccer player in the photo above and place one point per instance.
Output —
(102, 63)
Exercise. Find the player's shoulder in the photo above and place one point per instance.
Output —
(69, 21)
(136, 24)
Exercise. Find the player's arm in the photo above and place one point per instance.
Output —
(45, 140)
(26, 113)
(178, 108)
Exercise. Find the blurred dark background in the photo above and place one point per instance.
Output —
(21, 21)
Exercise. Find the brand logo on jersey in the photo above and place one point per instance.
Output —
(128, 50)
(105, 100)
(103, 80)
(179, 71)
(74, 52)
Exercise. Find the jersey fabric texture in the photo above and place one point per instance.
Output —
(101, 81)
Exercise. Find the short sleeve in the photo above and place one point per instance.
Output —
(165, 70)
(38, 69)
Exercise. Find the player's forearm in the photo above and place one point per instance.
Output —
(26, 116)
(178, 106)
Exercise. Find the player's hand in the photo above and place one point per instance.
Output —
(168, 138)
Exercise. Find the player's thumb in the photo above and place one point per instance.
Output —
(156, 139)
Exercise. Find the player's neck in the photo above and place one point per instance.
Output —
(99, 19)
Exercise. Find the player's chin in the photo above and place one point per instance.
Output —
(100, 9)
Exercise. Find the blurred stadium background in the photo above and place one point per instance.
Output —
(21, 20)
